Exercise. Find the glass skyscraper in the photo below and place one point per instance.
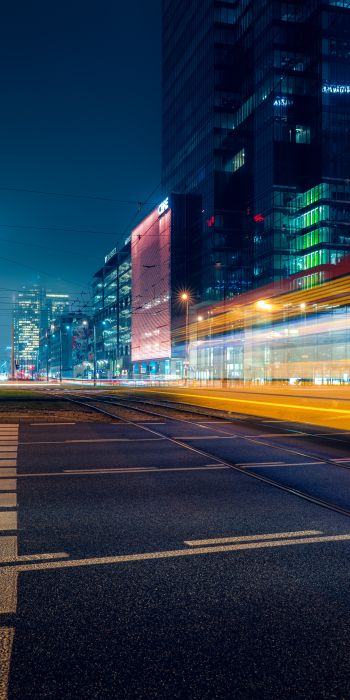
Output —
(256, 119)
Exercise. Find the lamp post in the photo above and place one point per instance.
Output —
(199, 319)
(185, 297)
(94, 330)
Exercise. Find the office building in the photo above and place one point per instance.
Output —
(55, 305)
(256, 119)
(162, 247)
(34, 311)
(26, 330)
(111, 317)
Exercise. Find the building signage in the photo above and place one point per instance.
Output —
(163, 206)
(110, 255)
(336, 89)
(283, 102)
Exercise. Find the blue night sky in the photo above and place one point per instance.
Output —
(80, 87)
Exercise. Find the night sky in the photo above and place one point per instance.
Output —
(80, 115)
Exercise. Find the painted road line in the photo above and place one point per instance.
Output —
(52, 424)
(249, 538)
(8, 499)
(277, 435)
(280, 464)
(8, 521)
(98, 440)
(6, 643)
(175, 553)
(206, 437)
(8, 548)
(8, 485)
(8, 591)
(135, 470)
(260, 464)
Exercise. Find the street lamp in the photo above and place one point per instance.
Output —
(199, 319)
(185, 298)
(53, 328)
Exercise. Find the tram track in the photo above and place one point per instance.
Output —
(90, 402)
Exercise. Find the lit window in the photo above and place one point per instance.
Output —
(302, 134)
(238, 160)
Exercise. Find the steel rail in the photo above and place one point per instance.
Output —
(304, 495)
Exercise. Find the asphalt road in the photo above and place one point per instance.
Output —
(138, 566)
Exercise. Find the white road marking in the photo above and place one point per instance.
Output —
(206, 437)
(138, 470)
(6, 643)
(8, 500)
(248, 538)
(280, 464)
(52, 424)
(8, 592)
(8, 485)
(146, 556)
(8, 521)
(8, 547)
(270, 435)
(95, 440)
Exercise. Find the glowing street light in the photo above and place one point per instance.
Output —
(185, 298)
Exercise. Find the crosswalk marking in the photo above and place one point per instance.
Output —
(8, 499)
(8, 545)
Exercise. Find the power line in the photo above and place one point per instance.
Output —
(45, 247)
(57, 228)
(41, 272)
(68, 195)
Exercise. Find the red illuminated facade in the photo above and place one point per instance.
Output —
(151, 286)
(163, 266)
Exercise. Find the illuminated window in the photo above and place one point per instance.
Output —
(238, 160)
(302, 134)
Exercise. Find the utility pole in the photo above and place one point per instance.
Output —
(60, 354)
(13, 351)
(94, 326)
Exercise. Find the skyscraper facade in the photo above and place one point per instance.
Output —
(199, 95)
(26, 329)
(256, 119)
(34, 311)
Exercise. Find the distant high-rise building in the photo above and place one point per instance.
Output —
(34, 310)
(26, 327)
(55, 305)
(111, 298)
(256, 119)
